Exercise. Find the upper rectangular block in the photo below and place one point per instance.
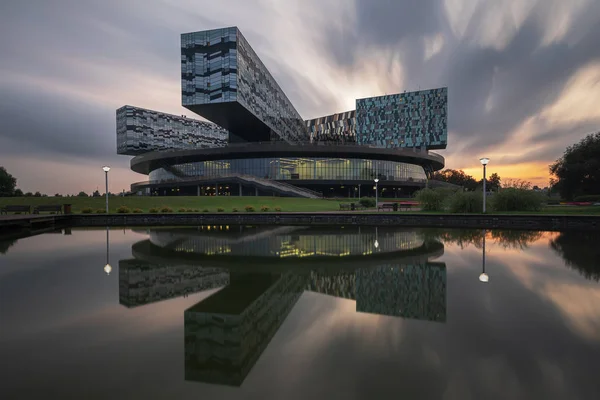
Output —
(223, 80)
(140, 131)
(414, 119)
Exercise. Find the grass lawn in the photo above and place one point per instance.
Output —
(212, 203)
(228, 203)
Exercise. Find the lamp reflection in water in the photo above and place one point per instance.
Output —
(484, 277)
(107, 267)
(376, 244)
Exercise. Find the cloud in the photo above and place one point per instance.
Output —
(522, 74)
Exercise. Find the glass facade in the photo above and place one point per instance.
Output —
(335, 128)
(279, 168)
(209, 66)
(220, 66)
(140, 131)
(414, 119)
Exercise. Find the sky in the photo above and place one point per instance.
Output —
(523, 76)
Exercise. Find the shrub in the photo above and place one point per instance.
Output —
(196, 210)
(249, 209)
(153, 210)
(181, 210)
(220, 209)
(431, 199)
(367, 202)
(205, 210)
(137, 211)
(465, 202)
(588, 198)
(514, 199)
(278, 209)
(235, 210)
(123, 210)
(166, 209)
(190, 210)
(101, 211)
(87, 210)
(264, 209)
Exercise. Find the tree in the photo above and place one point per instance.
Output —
(96, 193)
(456, 177)
(7, 183)
(577, 172)
(37, 194)
(580, 251)
(493, 183)
(57, 195)
(18, 193)
(82, 194)
(517, 184)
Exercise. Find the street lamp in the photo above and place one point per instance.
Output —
(107, 267)
(376, 194)
(484, 277)
(106, 168)
(484, 161)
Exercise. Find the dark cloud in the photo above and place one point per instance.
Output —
(52, 124)
(520, 79)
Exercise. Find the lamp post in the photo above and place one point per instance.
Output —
(107, 267)
(376, 194)
(484, 277)
(106, 168)
(484, 161)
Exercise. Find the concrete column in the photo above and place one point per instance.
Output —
(255, 191)
(359, 191)
(198, 190)
(216, 189)
(241, 194)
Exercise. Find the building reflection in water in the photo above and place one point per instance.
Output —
(142, 282)
(285, 241)
(226, 333)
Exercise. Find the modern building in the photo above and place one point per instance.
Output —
(256, 142)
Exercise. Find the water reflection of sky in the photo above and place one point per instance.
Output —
(533, 331)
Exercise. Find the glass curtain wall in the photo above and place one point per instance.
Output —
(294, 169)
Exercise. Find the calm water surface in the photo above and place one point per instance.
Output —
(230, 312)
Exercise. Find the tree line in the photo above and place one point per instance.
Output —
(8, 188)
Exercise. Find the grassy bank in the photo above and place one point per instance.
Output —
(145, 203)
(228, 203)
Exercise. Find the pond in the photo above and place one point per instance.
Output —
(288, 312)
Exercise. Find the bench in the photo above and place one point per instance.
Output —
(408, 205)
(48, 208)
(14, 208)
(386, 206)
